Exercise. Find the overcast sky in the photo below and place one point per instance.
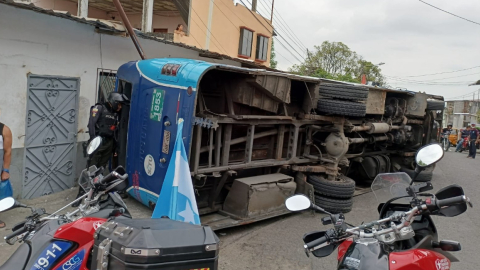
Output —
(410, 37)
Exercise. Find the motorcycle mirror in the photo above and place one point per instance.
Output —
(94, 145)
(429, 155)
(9, 203)
(298, 203)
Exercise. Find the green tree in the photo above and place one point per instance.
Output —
(273, 63)
(335, 60)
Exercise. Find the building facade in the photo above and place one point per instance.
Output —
(215, 25)
(461, 113)
(51, 68)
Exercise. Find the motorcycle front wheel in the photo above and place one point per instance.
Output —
(446, 145)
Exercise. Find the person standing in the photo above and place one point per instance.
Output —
(103, 122)
(463, 134)
(5, 155)
(473, 139)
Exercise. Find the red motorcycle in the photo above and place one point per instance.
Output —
(465, 145)
(404, 238)
(65, 241)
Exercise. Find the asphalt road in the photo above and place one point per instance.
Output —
(277, 243)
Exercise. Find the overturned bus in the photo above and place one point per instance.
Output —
(255, 137)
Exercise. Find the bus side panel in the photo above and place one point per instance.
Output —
(151, 136)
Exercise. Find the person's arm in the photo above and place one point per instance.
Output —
(92, 121)
(7, 152)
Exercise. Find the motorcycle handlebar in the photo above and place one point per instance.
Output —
(15, 233)
(112, 176)
(316, 242)
(451, 201)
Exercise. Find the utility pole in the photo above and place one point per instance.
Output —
(254, 5)
(271, 15)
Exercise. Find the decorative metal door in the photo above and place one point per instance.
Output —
(51, 136)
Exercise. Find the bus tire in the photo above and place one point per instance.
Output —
(343, 91)
(341, 107)
(334, 206)
(343, 188)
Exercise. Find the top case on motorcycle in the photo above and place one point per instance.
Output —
(156, 244)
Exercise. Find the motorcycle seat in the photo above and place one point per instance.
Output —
(19, 258)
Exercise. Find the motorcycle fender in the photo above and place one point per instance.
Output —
(418, 259)
(365, 256)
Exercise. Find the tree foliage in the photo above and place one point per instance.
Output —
(335, 60)
(273, 62)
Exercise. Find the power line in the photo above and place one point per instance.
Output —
(288, 51)
(288, 27)
(428, 83)
(272, 26)
(440, 78)
(206, 27)
(463, 95)
(449, 13)
(441, 72)
(287, 32)
(246, 24)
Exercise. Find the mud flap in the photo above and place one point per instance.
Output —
(304, 188)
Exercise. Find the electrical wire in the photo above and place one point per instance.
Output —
(449, 13)
(277, 33)
(442, 78)
(462, 95)
(206, 27)
(438, 84)
(302, 49)
(441, 72)
(285, 24)
(283, 46)
(278, 53)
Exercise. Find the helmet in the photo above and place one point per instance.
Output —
(116, 98)
(450, 125)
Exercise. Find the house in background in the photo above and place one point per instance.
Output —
(55, 65)
(218, 26)
(461, 113)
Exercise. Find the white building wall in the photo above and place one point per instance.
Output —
(36, 43)
(42, 44)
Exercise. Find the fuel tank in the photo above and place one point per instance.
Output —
(365, 254)
(418, 259)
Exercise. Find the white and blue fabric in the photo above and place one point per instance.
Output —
(177, 197)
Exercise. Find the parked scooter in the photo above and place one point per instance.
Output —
(404, 237)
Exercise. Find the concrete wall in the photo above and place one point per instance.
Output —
(226, 20)
(41, 44)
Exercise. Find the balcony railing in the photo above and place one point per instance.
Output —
(166, 36)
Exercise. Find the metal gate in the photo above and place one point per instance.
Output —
(51, 136)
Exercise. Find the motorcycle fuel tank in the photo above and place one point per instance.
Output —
(418, 259)
(365, 254)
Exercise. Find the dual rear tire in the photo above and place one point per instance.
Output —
(333, 196)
